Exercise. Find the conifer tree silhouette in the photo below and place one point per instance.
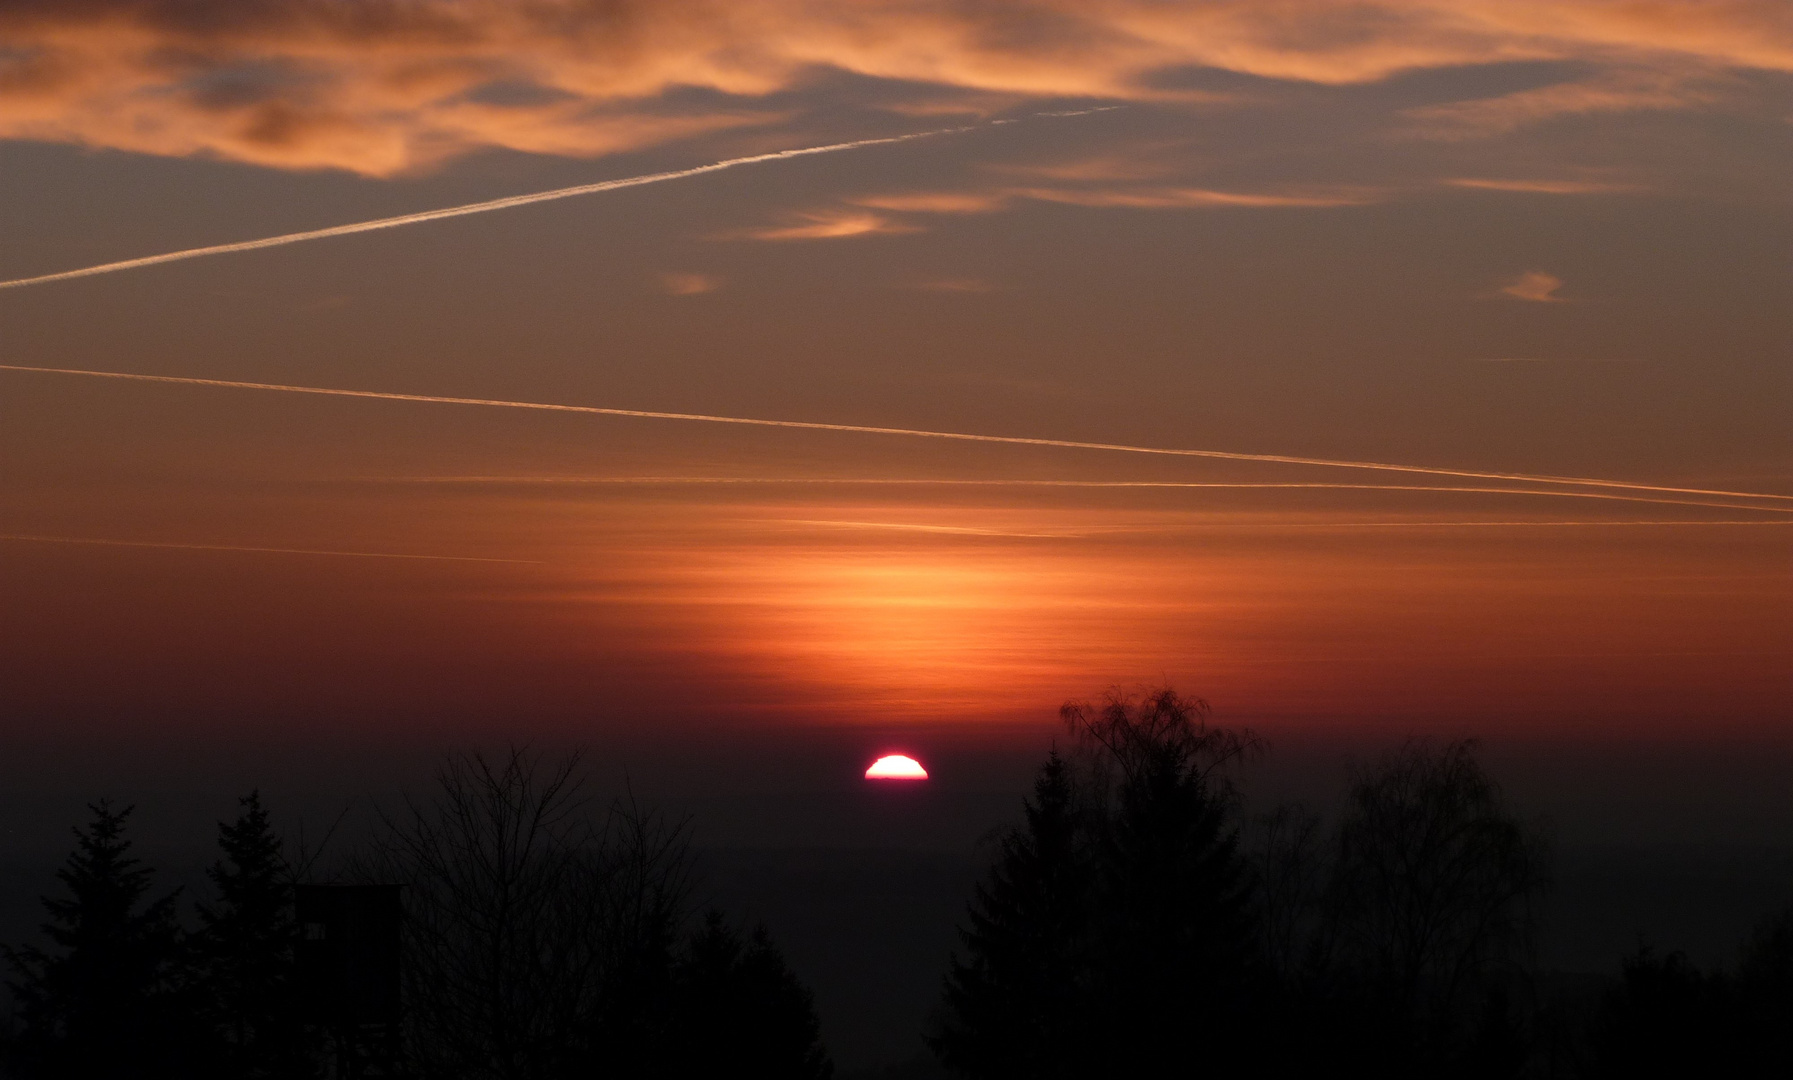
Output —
(1175, 921)
(1017, 1004)
(1115, 930)
(244, 950)
(737, 1010)
(1176, 925)
(100, 1004)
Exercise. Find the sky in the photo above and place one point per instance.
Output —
(1495, 243)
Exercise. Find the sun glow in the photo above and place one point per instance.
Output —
(896, 767)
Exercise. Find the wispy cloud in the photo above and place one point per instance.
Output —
(689, 284)
(1535, 286)
(827, 225)
(935, 202)
(1169, 198)
(1612, 92)
(1136, 163)
(949, 530)
(1542, 187)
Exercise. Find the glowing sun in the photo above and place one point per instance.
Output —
(896, 767)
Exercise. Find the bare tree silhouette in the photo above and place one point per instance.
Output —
(1436, 882)
(526, 915)
(546, 937)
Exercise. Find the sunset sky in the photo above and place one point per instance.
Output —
(1497, 240)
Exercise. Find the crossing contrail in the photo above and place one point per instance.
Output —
(957, 436)
(470, 208)
(851, 481)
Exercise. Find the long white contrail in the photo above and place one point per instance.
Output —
(849, 481)
(1518, 524)
(868, 429)
(470, 208)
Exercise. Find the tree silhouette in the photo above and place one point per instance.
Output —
(1435, 878)
(101, 1003)
(545, 938)
(1664, 1018)
(1115, 931)
(502, 917)
(1765, 993)
(1018, 1004)
(738, 1011)
(1292, 863)
(1428, 914)
(642, 892)
(1124, 931)
(1175, 924)
(244, 951)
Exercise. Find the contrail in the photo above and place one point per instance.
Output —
(958, 436)
(1514, 524)
(848, 481)
(23, 538)
(470, 208)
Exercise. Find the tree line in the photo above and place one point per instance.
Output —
(1138, 922)
(544, 937)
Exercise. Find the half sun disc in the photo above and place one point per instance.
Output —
(896, 767)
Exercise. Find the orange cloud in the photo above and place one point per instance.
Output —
(1535, 286)
(829, 225)
(1623, 92)
(1541, 187)
(1160, 198)
(1107, 167)
(935, 202)
(383, 87)
(838, 223)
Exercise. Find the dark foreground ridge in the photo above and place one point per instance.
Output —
(1138, 921)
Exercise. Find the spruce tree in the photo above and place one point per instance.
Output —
(1175, 922)
(1114, 935)
(738, 1010)
(245, 949)
(100, 1001)
(1017, 1004)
